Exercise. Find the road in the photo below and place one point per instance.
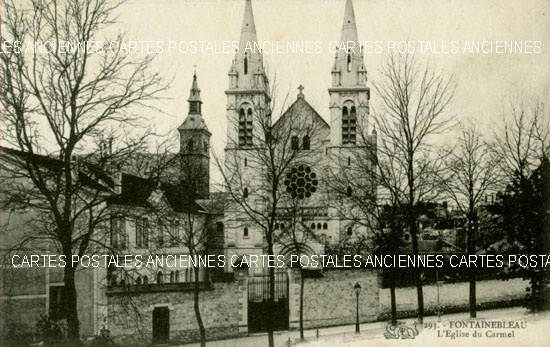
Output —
(505, 329)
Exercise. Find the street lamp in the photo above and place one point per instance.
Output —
(357, 288)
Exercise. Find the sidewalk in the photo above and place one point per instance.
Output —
(372, 334)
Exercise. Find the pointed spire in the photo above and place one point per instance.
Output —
(248, 30)
(195, 92)
(348, 69)
(247, 65)
(248, 19)
(194, 120)
(349, 28)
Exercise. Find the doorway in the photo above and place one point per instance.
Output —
(161, 324)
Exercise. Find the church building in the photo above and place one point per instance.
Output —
(325, 148)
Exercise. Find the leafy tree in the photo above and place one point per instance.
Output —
(524, 210)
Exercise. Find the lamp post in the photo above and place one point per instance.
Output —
(357, 288)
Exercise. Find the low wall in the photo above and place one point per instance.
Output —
(130, 316)
(455, 296)
(330, 300)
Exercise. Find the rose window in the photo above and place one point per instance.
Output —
(301, 182)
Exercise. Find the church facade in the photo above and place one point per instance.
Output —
(325, 150)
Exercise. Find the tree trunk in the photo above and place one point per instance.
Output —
(70, 305)
(418, 271)
(196, 306)
(414, 235)
(301, 304)
(271, 303)
(472, 250)
(473, 313)
(392, 299)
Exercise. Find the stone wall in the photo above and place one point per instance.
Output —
(221, 306)
(330, 300)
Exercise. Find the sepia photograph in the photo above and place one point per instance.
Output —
(274, 173)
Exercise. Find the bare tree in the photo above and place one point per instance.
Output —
(522, 137)
(371, 193)
(413, 108)
(59, 100)
(297, 237)
(471, 174)
(195, 232)
(255, 167)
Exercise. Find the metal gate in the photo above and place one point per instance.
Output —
(260, 312)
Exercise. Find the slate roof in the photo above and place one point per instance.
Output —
(89, 175)
(193, 121)
(135, 191)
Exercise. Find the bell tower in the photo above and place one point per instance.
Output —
(247, 94)
(349, 94)
(195, 147)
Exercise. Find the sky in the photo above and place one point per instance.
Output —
(484, 81)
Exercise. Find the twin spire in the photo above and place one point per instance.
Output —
(349, 28)
(349, 69)
(247, 70)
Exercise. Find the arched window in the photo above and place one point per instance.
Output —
(249, 127)
(245, 232)
(325, 226)
(349, 191)
(245, 193)
(245, 64)
(312, 226)
(276, 226)
(138, 280)
(282, 226)
(242, 127)
(245, 162)
(160, 278)
(190, 145)
(345, 125)
(177, 276)
(318, 225)
(160, 235)
(349, 161)
(186, 275)
(245, 126)
(145, 280)
(294, 143)
(305, 143)
(349, 62)
(172, 277)
(352, 125)
(349, 231)
(205, 146)
(145, 234)
(349, 125)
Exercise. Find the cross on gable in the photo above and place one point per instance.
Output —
(301, 95)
